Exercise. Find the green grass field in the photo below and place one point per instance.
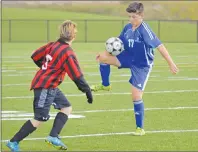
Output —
(170, 101)
(116, 114)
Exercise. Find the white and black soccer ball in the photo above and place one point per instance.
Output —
(114, 46)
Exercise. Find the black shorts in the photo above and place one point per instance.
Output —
(44, 98)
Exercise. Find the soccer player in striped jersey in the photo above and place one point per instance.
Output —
(54, 59)
(139, 41)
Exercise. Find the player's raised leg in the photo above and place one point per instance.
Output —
(108, 59)
(105, 73)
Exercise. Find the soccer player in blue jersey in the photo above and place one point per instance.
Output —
(139, 41)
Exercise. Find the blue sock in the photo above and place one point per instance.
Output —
(105, 72)
(139, 113)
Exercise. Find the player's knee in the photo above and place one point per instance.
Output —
(41, 118)
(136, 97)
(103, 59)
(66, 110)
(36, 123)
(106, 53)
(136, 94)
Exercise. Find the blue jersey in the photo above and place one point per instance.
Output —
(139, 44)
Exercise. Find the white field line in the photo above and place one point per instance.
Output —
(146, 109)
(18, 75)
(28, 72)
(186, 56)
(111, 93)
(113, 81)
(90, 66)
(93, 61)
(6, 70)
(17, 115)
(26, 56)
(17, 61)
(10, 112)
(114, 133)
(18, 119)
(14, 57)
(30, 61)
(6, 114)
(21, 114)
(88, 75)
(19, 72)
(65, 82)
(20, 67)
(3, 71)
(94, 66)
(32, 75)
(94, 75)
(33, 71)
(27, 116)
(34, 67)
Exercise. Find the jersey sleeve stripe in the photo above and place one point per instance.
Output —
(148, 31)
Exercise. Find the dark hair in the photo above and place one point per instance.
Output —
(135, 7)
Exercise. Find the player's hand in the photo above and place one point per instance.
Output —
(173, 68)
(97, 57)
(89, 97)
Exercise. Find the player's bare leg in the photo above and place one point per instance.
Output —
(105, 57)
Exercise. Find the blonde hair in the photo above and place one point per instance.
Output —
(68, 30)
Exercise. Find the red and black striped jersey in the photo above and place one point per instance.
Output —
(55, 59)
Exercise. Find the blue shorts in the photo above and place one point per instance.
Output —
(139, 75)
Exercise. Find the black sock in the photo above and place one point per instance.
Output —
(25, 130)
(59, 122)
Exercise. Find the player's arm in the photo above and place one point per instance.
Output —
(153, 41)
(164, 52)
(74, 72)
(39, 54)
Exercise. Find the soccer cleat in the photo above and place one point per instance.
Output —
(139, 132)
(56, 142)
(99, 87)
(13, 146)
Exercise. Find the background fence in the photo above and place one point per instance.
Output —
(15, 30)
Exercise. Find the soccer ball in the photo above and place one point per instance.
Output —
(114, 46)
